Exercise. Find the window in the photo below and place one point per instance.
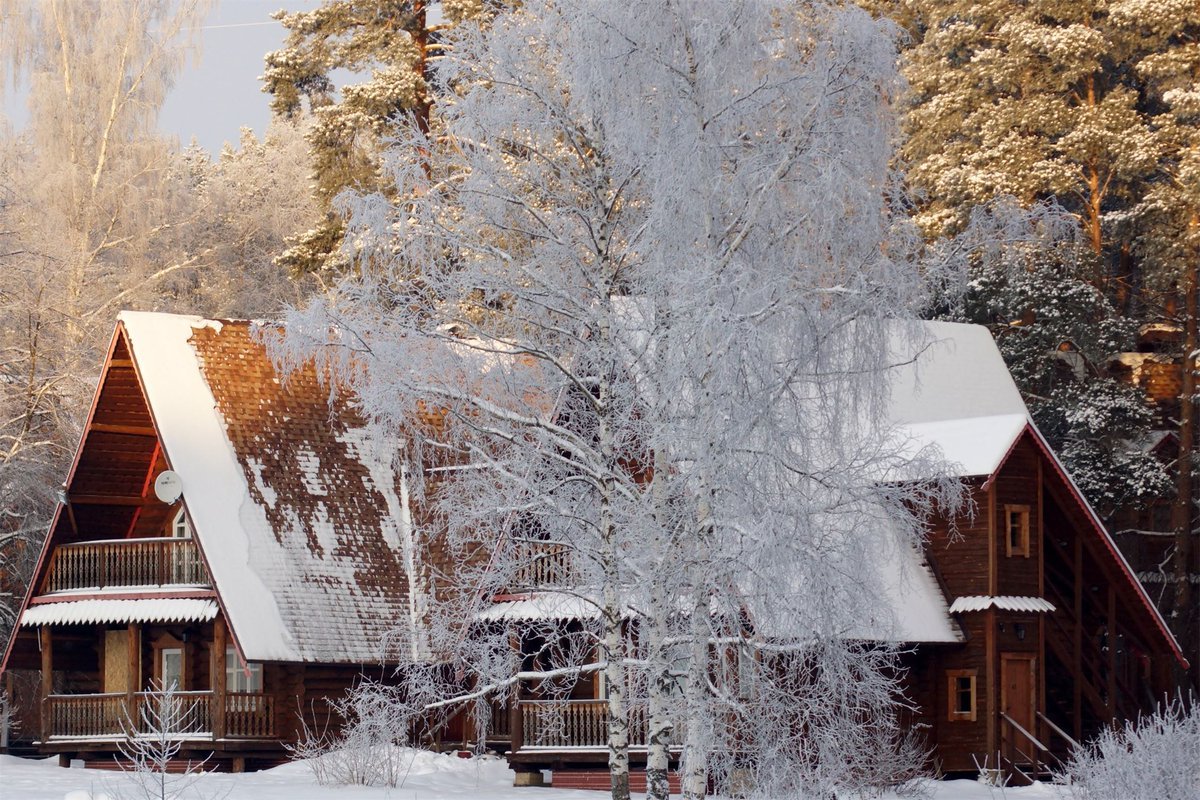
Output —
(171, 667)
(238, 679)
(180, 527)
(1016, 528)
(961, 685)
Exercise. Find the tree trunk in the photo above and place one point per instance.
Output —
(614, 635)
(696, 745)
(659, 683)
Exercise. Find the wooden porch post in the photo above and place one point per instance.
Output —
(133, 641)
(1077, 644)
(218, 678)
(47, 678)
(1110, 623)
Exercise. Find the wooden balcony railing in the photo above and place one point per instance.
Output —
(81, 716)
(126, 562)
(543, 564)
(575, 723)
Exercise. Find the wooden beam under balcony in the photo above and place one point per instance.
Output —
(127, 430)
(106, 500)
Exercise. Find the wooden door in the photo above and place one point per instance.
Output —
(1018, 701)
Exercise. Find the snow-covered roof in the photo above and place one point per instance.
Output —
(101, 612)
(541, 606)
(950, 390)
(889, 593)
(1004, 603)
(295, 502)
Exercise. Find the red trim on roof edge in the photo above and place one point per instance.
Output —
(1090, 513)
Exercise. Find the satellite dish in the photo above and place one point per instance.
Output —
(168, 486)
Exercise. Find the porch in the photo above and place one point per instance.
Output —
(101, 682)
(195, 715)
(544, 731)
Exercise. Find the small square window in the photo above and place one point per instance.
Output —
(961, 686)
(1016, 530)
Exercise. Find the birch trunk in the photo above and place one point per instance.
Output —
(614, 635)
(659, 683)
(695, 744)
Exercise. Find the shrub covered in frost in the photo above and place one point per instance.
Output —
(1153, 758)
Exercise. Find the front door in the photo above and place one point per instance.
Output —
(1018, 701)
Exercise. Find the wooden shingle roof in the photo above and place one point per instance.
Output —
(297, 504)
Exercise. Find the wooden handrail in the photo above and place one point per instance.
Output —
(126, 563)
(1024, 732)
(1050, 724)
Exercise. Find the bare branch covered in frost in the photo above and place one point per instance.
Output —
(643, 380)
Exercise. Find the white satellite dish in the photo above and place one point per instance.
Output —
(168, 486)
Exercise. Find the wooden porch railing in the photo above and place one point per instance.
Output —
(247, 716)
(85, 715)
(499, 724)
(543, 564)
(575, 723)
(126, 562)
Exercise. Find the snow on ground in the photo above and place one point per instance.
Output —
(431, 777)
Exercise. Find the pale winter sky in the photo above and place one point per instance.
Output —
(212, 100)
(218, 94)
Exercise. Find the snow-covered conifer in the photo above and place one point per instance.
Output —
(387, 45)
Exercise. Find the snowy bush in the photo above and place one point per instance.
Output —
(1153, 758)
(366, 751)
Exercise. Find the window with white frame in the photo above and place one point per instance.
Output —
(180, 527)
(241, 680)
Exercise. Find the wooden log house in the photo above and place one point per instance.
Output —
(266, 588)
(262, 592)
(1025, 627)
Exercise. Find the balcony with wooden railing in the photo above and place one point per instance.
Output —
(574, 724)
(543, 565)
(125, 563)
(189, 715)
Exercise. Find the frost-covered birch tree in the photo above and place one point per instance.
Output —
(661, 260)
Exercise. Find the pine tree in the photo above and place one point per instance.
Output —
(1169, 240)
(1056, 332)
(1026, 100)
(1096, 105)
(388, 40)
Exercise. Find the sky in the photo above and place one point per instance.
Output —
(213, 99)
(218, 91)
